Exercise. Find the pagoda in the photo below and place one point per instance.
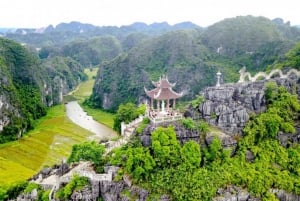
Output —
(163, 92)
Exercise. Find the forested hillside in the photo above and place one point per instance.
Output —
(67, 32)
(129, 57)
(29, 85)
(191, 58)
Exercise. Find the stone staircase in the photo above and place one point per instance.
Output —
(128, 132)
(80, 169)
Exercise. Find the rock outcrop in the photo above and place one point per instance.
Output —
(182, 134)
(230, 106)
(285, 196)
(233, 193)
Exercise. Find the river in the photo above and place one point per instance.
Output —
(78, 116)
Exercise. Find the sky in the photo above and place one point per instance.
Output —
(41, 13)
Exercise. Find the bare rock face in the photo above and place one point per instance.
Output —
(229, 106)
(233, 193)
(284, 196)
(33, 195)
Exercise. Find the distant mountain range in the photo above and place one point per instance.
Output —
(78, 27)
(131, 56)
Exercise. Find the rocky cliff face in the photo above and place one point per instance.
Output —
(233, 193)
(182, 134)
(28, 85)
(230, 106)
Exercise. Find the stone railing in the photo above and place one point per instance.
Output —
(244, 74)
(166, 118)
(131, 124)
(95, 177)
(84, 173)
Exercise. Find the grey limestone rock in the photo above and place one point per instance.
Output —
(230, 106)
(285, 196)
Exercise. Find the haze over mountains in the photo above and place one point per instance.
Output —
(129, 57)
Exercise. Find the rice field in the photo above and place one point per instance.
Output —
(51, 141)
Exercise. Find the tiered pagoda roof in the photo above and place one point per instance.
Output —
(163, 90)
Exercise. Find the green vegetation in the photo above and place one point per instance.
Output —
(29, 85)
(13, 191)
(92, 51)
(99, 115)
(50, 142)
(160, 169)
(191, 58)
(19, 88)
(24, 188)
(77, 183)
(82, 93)
(197, 101)
(143, 125)
(126, 113)
(84, 90)
(290, 60)
(190, 124)
(88, 151)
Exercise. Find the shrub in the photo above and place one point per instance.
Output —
(188, 123)
(77, 183)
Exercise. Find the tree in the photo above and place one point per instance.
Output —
(139, 162)
(126, 113)
(87, 151)
(166, 148)
(190, 154)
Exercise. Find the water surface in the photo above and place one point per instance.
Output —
(76, 114)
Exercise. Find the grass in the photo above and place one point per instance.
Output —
(49, 143)
(51, 140)
(84, 91)
(101, 116)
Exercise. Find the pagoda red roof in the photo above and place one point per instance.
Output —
(163, 83)
(163, 90)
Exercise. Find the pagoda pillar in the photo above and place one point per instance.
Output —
(157, 102)
(174, 103)
(151, 104)
(168, 104)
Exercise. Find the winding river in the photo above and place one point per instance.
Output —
(78, 116)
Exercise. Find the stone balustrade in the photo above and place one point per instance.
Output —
(244, 74)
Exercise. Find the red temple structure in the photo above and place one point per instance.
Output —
(163, 92)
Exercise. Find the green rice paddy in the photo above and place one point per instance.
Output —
(51, 140)
(49, 143)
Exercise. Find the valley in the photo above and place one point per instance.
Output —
(48, 144)
(235, 140)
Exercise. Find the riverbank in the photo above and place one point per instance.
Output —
(50, 142)
(76, 114)
(83, 91)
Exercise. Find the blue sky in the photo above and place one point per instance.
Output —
(41, 13)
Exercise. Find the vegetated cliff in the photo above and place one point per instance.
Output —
(29, 85)
(230, 106)
(191, 58)
(247, 174)
(179, 55)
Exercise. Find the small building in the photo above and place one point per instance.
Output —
(165, 99)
